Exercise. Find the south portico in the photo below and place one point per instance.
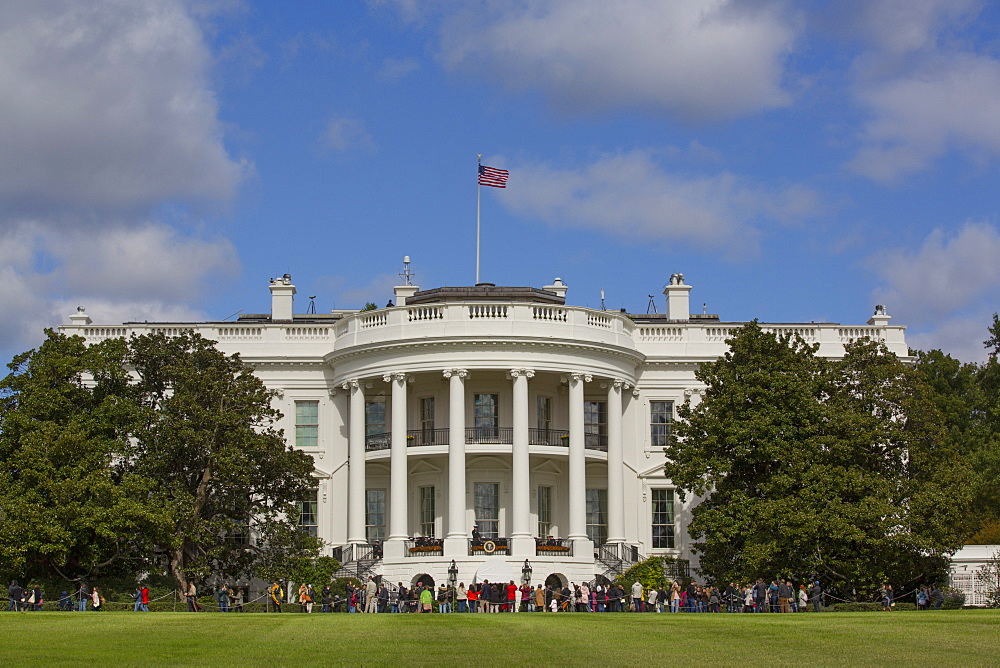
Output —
(501, 419)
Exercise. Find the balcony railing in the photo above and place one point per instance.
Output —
(488, 546)
(381, 441)
(418, 437)
(489, 435)
(424, 547)
(548, 437)
(552, 547)
(484, 435)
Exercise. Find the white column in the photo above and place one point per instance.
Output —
(616, 464)
(577, 462)
(520, 469)
(356, 464)
(397, 459)
(458, 532)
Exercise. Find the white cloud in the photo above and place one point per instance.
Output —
(928, 86)
(105, 105)
(698, 60)
(630, 196)
(946, 289)
(150, 272)
(347, 134)
(953, 104)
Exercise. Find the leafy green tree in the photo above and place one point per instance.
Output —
(127, 456)
(205, 435)
(809, 467)
(72, 508)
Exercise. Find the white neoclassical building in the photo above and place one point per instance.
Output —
(487, 429)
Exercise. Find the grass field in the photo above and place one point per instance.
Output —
(954, 638)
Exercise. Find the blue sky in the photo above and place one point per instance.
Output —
(797, 161)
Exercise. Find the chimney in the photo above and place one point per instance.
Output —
(404, 292)
(881, 318)
(558, 287)
(282, 296)
(678, 298)
(80, 318)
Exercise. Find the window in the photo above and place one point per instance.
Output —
(597, 516)
(375, 417)
(308, 512)
(427, 420)
(488, 509)
(663, 518)
(544, 414)
(595, 424)
(544, 511)
(427, 511)
(306, 424)
(374, 515)
(487, 417)
(661, 414)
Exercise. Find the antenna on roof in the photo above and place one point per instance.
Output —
(602, 300)
(312, 306)
(651, 308)
(704, 309)
(406, 271)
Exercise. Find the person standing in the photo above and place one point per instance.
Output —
(222, 596)
(887, 598)
(275, 593)
(192, 597)
(636, 596)
(14, 596)
(82, 596)
(937, 597)
(426, 599)
(137, 597)
(803, 598)
(326, 598)
(96, 600)
(816, 595)
(473, 594)
(370, 591)
(539, 597)
(512, 596)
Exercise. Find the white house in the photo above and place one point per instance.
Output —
(501, 408)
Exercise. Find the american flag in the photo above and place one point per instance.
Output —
(488, 176)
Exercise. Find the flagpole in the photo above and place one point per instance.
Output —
(479, 191)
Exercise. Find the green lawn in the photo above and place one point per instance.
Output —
(964, 637)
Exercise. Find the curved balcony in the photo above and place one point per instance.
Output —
(484, 320)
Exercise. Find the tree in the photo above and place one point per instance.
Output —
(809, 467)
(72, 509)
(205, 435)
(125, 455)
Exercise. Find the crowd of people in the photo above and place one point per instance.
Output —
(776, 596)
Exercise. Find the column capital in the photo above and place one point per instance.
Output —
(394, 376)
(527, 373)
(353, 383)
(461, 373)
(585, 377)
(693, 391)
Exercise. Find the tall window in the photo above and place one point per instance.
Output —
(427, 511)
(595, 424)
(427, 420)
(597, 516)
(544, 413)
(308, 511)
(374, 514)
(663, 518)
(544, 511)
(661, 414)
(306, 424)
(488, 509)
(375, 417)
(487, 416)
